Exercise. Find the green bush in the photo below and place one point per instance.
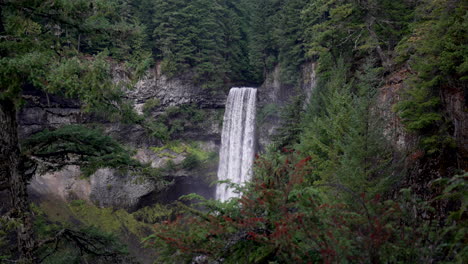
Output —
(160, 131)
(170, 166)
(153, 214)
(186, 148)
(191, 162)
(149, 105)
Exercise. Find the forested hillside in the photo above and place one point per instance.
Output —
(372, 169)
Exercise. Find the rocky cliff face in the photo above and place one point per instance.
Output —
(43, 111)
(273, 94)
(109, 188)
(455, 102)
(173, 91)
(388, 96)
(419, 168)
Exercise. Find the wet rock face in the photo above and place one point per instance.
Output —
(420, 169)
(66, 184)
(388, 96)
(105, 188)
(456, 106)
(273, 94)
(184, 185)
(173, 91)
(111, 188)
(43, 111)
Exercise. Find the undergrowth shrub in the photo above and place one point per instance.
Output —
(150, 104)
(153, 214)
(195, 155)
(87, 235)
(191, 162)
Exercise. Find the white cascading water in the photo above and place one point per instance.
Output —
(237, 140)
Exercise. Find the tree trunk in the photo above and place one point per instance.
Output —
(10, 168)
(2, 28)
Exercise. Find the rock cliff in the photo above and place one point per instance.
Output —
(112, 189)
(419, 168)
(109, 188)
(274, 94)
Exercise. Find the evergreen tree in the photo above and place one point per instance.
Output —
(205, 36)
(290, 129)
(263, 49)
(437, 51)
(354, 29)
(277, 37)
(144, 10)
(344, 139)
(235, 21)
(289, 36)
(61, 47)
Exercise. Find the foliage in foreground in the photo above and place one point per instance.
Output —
(63, 242)
(89, 148)
(78, 231)
(280, 219)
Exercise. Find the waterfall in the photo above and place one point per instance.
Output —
(237, 140)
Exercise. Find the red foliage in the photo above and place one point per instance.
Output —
(270, 216)
(416, 155)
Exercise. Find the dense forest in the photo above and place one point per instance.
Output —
(332, 187)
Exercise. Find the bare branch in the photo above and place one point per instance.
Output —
(84, 242)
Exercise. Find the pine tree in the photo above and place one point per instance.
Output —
(235, 22)
(290, 129)
(263, 49)
(290, 39)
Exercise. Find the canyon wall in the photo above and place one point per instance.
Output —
(110, 188)
(417, 169)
